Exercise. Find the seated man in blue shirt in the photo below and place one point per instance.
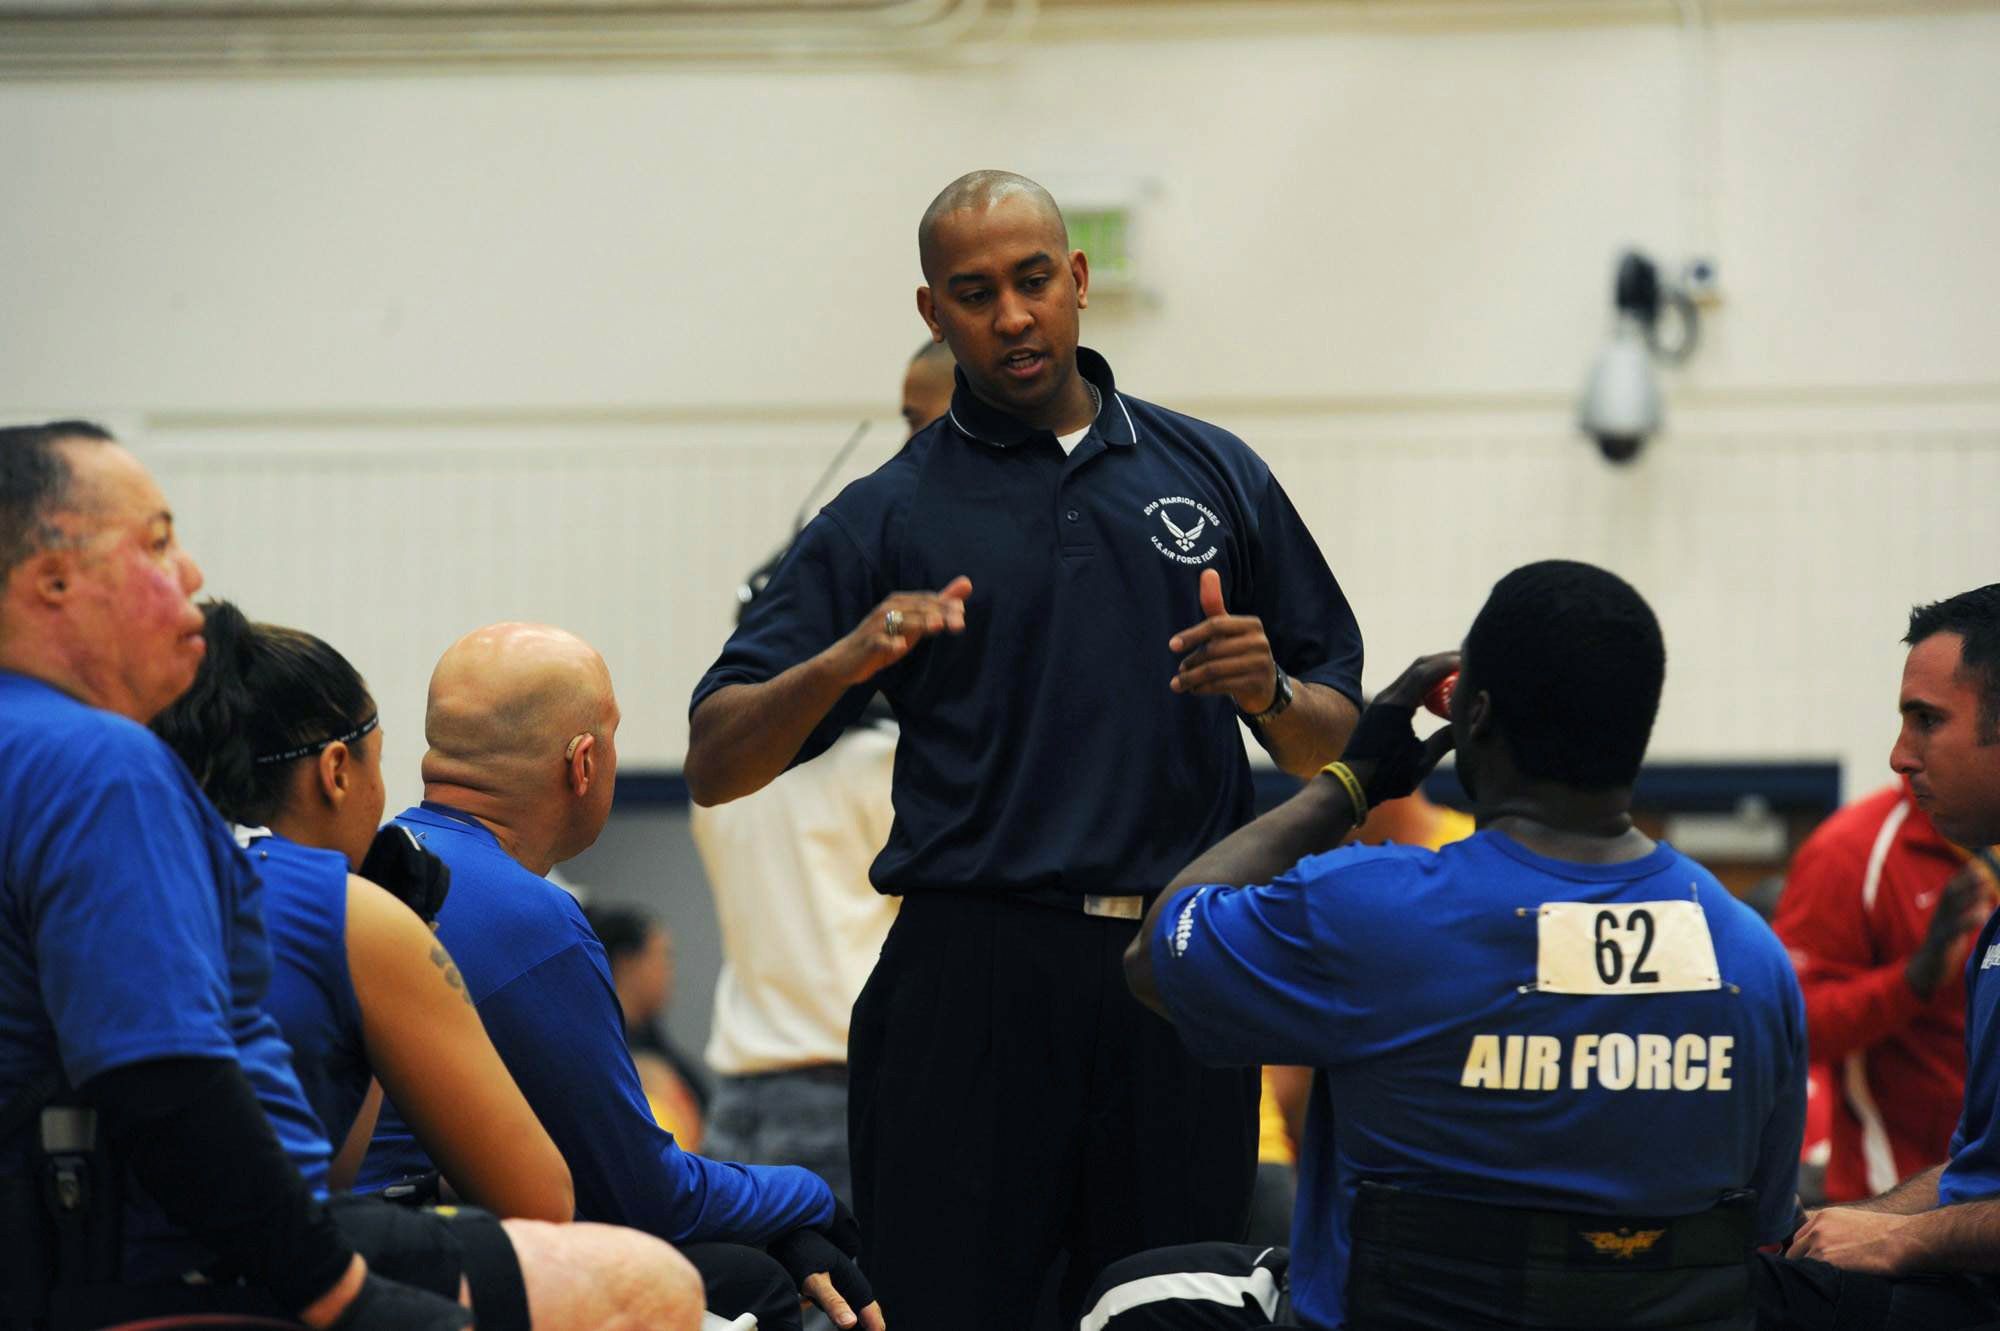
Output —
(132, 952)
(522, 726)
(1560, 1069)
(1115, 590)
(1925, 1256)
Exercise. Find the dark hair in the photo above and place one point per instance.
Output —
(261, 691)
(621, 929)
(1572, 659)
(1975, 617)
(34, 484)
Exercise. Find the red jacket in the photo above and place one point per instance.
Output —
(1857, 903)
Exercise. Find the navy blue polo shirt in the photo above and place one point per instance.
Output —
(1042, 749)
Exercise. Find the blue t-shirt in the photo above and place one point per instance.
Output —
(130, 930)
(1972, 1171)
(1435, 993)
(312, 989)
(542, 985)
(1042, 749)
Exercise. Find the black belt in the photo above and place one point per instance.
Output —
(1108, 906)
(1430, 1264)
(1517, 1236)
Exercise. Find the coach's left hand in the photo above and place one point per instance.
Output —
(1855, 1240)
(1225, 653)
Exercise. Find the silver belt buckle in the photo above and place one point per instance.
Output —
(1116, 908)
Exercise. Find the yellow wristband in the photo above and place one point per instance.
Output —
(1352, 785)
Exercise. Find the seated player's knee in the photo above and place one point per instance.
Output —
(1189, 1287)
(738, 1279)
(1144, 1265)
(589, 1277)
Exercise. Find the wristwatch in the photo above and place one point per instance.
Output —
(1281, 698)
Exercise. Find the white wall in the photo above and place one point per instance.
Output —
(419, 351)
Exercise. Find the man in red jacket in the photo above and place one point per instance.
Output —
(1878, 912)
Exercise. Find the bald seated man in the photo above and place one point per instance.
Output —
(928, 385)
(522, 730)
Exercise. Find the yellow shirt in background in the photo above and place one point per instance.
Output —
(1274, 1144)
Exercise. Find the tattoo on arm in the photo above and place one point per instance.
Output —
(442, 960)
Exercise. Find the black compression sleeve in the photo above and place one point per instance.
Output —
(191, 1131)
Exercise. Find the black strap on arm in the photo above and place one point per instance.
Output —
(193, 1134)
(25, 1256)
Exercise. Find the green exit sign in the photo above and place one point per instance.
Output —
(1105, 236)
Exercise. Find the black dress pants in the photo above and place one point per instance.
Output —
(1009, 1100)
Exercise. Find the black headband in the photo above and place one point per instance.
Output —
(305, 750)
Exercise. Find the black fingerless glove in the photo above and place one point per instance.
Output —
(1385, 740)
(385, 1305)
(412, 874)
(830, 1248)
(843, 1229)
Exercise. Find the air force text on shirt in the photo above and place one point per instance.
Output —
(1612, 1061)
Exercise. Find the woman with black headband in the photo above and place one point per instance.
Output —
(281, 734)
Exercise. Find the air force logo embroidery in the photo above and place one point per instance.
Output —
(1184, 539)
(1622, 1244)
(1185, 522)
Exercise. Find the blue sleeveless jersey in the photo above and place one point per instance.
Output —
(312, 990)
(1494, 1026)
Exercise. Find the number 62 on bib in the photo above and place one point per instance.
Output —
(1641, 947)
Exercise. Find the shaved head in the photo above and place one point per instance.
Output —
(927, 385)
(976, 191)
(506, 700)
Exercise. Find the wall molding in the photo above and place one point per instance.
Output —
(211, 38)
(1978, 397)
(63, 38)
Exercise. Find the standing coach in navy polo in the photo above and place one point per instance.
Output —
(1118, 585)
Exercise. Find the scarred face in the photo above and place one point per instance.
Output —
(1953, 775)
(125, 585)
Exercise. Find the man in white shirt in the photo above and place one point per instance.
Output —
(801, 928)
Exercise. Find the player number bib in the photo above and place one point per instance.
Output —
(1644, 947)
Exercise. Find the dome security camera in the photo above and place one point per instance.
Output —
(1621, 405)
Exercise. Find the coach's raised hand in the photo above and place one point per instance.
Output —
(743, 735)
(1225, 653)
(902, 621)
(1301, 723)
